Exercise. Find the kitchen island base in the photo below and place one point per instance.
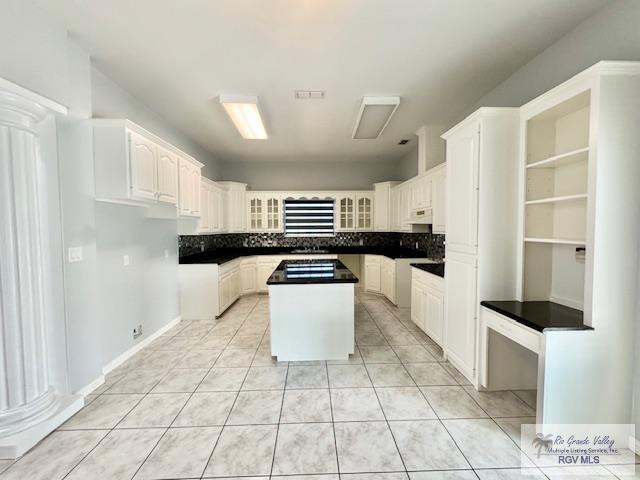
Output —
(312, 321)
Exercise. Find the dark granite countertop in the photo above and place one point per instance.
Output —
(223, 255)
(294, 272)
(540, 315)
(433, 268)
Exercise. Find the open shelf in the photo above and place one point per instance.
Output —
(559, 199)
(556, 200)
(578, 155)
(556, 241)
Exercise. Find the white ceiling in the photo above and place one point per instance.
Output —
(440, 56)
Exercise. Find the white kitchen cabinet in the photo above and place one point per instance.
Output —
(462, 186)
(134, 166)
(236, 216)
(213, 204)
(346, 212)
(364, 211)
(265, 267)
(427, 304)
(481, 220)
(382, 202)
(255, 212)
(189, 188)
(264, 212)
(421, 192)
(439, 198)
(461, 306)
(144, 163)
(388, 278)
(167, 176)
(372, 273)
(248, 275)
(273, 212)
(380, 276)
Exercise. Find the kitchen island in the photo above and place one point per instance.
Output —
(311, 305)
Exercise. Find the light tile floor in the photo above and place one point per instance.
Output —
(207, 400)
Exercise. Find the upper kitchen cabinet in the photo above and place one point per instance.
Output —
(189, 188)
(364, 211)
(264, 211)
(236, 211)
(135, 166)
(481, 224)
(213, 206)
(382, 201)
(346, 212)
(355, 211)
(255, 212)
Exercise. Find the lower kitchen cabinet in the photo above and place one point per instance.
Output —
(380, 276)
(427, 304)
(372, 273)
(248, 275)
(462, 313)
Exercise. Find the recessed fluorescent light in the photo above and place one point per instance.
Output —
(374, 115)
(245, 115)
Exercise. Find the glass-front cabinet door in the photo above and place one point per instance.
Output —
(365, 212)
(256, 213)
(346, 213)
(273, 213)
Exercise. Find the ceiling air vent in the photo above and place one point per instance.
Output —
(309, 94)
(404, 141)
(373, 117)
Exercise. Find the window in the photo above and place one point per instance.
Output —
(308, 218)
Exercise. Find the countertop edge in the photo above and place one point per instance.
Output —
(527, 323)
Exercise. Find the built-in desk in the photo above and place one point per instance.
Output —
(528, 352)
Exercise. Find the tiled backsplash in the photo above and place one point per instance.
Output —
(431, 244)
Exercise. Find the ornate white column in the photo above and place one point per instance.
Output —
(29, 408)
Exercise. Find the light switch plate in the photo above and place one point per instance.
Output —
(125, 260)
(166, 253)
(75, 254)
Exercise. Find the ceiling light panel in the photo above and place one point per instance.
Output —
(245, 115)
(373, 116)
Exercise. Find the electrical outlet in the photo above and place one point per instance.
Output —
(125, 260)
(137, 331)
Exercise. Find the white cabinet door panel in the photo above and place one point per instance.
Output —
(143, 164)
(460, 310)
(462, 190)
(167, 176)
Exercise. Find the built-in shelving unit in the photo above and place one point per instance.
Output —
(555, 205)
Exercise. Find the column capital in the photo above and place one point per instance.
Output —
(22, 108)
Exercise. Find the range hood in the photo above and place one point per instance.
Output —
(421, 216)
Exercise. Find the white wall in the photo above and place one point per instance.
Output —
(110, 100)
(267, 175)
(612, 34)
(407, 166)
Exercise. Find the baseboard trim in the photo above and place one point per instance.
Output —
(123, 357)
(120, 359)
(87, 389)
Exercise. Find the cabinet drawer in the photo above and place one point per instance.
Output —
(511, 329)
